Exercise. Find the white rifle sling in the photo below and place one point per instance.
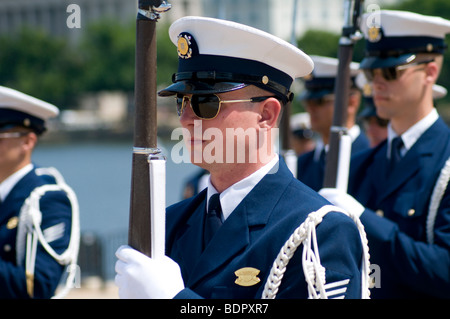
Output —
(436, 198)
(313, 270)
(29, 232)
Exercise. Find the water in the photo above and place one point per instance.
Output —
(100, 175)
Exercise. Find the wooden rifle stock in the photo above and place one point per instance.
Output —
(145, 128)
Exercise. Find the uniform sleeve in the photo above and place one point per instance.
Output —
(421, 266)
(56, 227)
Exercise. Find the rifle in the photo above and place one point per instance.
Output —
(146, 223)
(338, 156)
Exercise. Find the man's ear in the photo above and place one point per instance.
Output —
(270, 111)
(30, 141)
(432, 72)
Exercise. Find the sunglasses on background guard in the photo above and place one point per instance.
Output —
(207, 106)
(392, 73)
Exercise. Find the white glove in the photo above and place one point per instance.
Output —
(342, 200)
(141, 277)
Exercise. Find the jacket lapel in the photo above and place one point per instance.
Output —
(15, 199)
(187, 249)
(415, 158)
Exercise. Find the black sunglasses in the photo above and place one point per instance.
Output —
(207, 106)
(392, 73)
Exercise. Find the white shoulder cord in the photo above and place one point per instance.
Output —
(29, 229)
(312, 268)
(436, 197)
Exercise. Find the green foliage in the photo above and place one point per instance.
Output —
(319, 42)
(52, 69)
(40, 65)
(108, 55)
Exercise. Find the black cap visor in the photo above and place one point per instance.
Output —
(197, 87)
(376, 62)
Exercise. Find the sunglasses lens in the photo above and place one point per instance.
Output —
(389, 74)
(205, 106)
(179, 105)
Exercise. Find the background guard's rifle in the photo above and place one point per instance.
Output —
(145, 130)
(289, 155)
(338, 156)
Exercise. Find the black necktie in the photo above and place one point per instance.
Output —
(213, 218)
(396, 145)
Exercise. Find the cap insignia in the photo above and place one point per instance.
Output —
(374, 34)
(367, 90)
(186, 46)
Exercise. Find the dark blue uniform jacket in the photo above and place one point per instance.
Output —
(409, 266)
(56, 209)
(253, 235)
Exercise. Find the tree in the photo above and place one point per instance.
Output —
(40, 65)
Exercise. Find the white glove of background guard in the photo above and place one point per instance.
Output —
(141, 277)
(342, 200)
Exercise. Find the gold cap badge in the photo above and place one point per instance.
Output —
(184, 46)
(374, 34)
(247, 276)
(367, 90)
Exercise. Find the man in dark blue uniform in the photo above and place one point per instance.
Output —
(38, 225)
(318, 98)
(393, 186)
(233, 78)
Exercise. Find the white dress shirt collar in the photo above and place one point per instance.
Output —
(411, 136)
(233, 195)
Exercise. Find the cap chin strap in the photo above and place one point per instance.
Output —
(313, 270)
(29, 233)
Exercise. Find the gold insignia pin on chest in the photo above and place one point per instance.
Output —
(247, 276)
(12, 222)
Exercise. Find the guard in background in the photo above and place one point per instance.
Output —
(303, 139)
(39, 222)
(400, 188)
(374, 127)
(318, 98)
(223, 242)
